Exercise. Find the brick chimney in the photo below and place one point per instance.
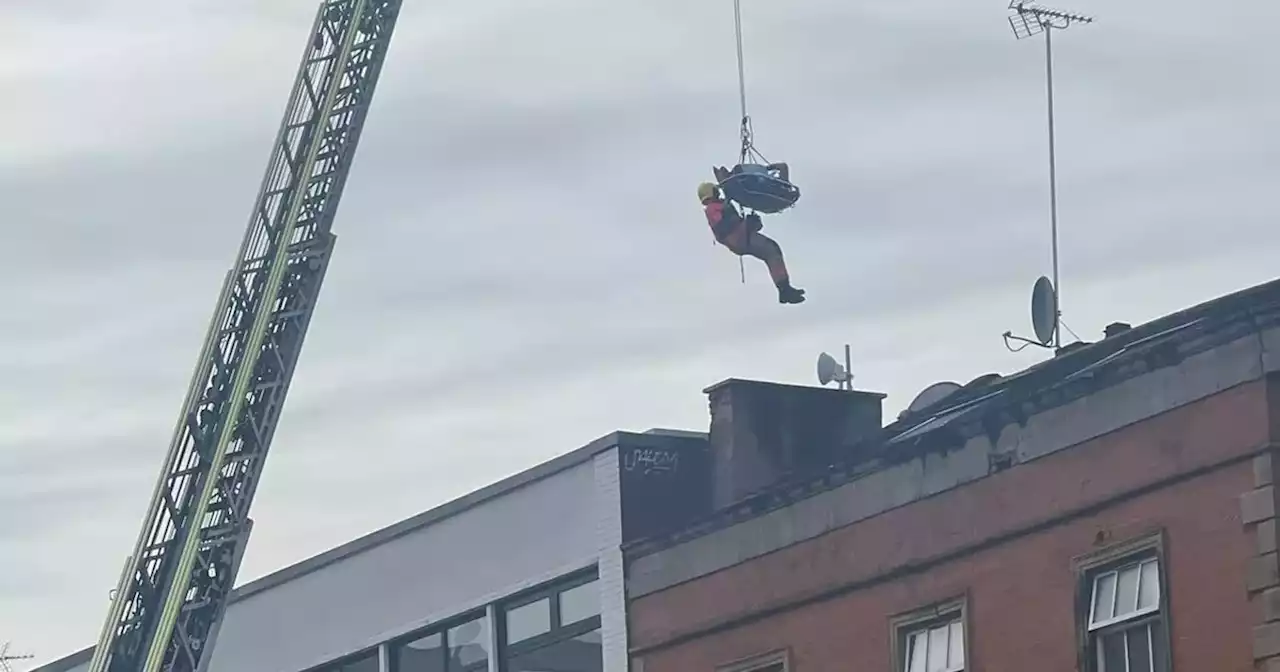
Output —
(761, 432)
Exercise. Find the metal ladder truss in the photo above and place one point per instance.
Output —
(176, 584)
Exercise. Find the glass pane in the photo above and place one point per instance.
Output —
(528, 620)
(1127, 591)
(422, 655)
(1104, 595)
(580, 603)
(955, 659)
(917, 651)
(1138, 641)
(938, 649)
(1111, 653)
(580, 654)
(1149, 587)
(468, 644)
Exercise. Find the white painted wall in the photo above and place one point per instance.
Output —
(530, 535)
(612, 582)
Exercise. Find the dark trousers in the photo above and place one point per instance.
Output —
(743, 241)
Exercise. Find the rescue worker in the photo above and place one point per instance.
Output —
(742, 236)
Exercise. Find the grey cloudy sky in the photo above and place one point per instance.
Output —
(522, 265)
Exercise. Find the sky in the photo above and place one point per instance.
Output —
(522, 265)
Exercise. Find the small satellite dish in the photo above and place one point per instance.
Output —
(932, 395)
(829, 369)
(983, 380)
(1044, 311)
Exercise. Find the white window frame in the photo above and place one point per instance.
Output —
(1092, 569)
(759, 663)
(906, 628)
(1138, 611)
(948, 625)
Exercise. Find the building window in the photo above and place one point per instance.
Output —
(931, 639)
(771, 662)
(556, 628)
(528, 620)
(579, 603)
(462, 647)
(1126, 629)
(936, 648)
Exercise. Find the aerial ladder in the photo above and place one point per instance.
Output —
(175, 587)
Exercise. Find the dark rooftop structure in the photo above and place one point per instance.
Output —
(987, 404)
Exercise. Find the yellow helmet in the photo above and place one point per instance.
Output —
(706, 190)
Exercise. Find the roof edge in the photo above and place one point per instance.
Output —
(752, 382)
(446, 510)
(67, 662)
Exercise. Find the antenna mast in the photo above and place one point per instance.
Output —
(1029, 19)
(6, 658)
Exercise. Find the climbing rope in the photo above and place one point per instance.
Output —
(745, 131)
(748, 142)
(749, 150)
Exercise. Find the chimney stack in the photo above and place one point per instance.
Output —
(761, 432)
(1116, 328)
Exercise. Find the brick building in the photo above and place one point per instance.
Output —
(1111, 509)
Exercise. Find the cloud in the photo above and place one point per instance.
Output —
(519, 239)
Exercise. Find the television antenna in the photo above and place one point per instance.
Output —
(1029, 19)
(6, 658)
(829, 369)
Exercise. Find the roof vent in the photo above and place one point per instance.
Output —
(1116, 328)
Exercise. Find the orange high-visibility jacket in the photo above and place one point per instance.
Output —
(722, 218)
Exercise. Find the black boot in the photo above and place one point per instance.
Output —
(789, 294)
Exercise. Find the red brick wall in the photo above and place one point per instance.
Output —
(1021, 591)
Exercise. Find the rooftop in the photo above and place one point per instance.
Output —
(990, 402)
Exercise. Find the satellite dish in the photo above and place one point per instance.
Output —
(1044, 311)
(932, 395)
(983, 380)
(829, 369)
